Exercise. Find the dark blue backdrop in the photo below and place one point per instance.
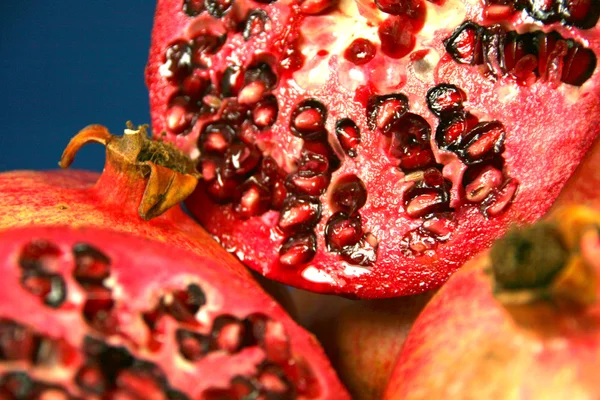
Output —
(66, 64)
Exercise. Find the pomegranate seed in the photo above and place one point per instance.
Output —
(192, 346)
(256, 23)
(342, 231)
(181, 115)
(183, 305)
(579, 65)
(299, 214)
(348, 135)
(218, 8)
(232, 81)
(261, 72)
(500, 201)
(98, 310)
(276, 342)
(216, 137)
(424, 204)
(253, 199)
(228, 333)
(310, 184)
(413, 9)
(583, 14)
(466, 44)
(298, 249)
(252, 93)
(450, 132)
(396, 40)
(498, 12)
(324, 149)
(488, 179)
(273, 380)
(141, 384)
(51, 288)
(39, 255)
(222, 190)
(308, 120)
(348, 195)
(195, 87)
(360, 51)
(265, 112)
(178, 61)
(204, 45)
(17, 342)
(483, 142)
(279, 195)
(410, 142)
(382, 111)
(313, 7)
(193, 7)
(445, 99)
(240, 159)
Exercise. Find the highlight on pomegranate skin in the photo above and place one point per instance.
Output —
(94, 314)
(370, 148)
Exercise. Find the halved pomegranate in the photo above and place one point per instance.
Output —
(371, 148)
(88, 313)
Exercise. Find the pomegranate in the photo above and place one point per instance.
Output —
(373, 163)
(97, 314)
(519, 321)
(362, 338)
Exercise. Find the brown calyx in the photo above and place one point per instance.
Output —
(163, 174)
(547, 261)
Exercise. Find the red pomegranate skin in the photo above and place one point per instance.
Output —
(548, 126)
(130, 357)
(468, 344)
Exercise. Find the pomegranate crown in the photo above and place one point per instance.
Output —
(169, 174)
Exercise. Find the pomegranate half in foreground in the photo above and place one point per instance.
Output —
(94, 314)
(371, 148)
(521, 321)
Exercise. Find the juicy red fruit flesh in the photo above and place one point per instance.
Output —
(447, 121)
(162, 337)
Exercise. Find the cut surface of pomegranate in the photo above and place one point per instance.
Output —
(134, 319)
(371, 148)
(520, 319)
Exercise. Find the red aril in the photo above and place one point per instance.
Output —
(89, 313)
(458, 119)
(520, 320)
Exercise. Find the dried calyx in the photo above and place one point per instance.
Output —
(545, 261)
(169, 175)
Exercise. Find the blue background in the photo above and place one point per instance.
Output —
(66, 64)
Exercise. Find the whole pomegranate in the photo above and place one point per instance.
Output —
(521, 321)
(363, 339)
(88, 313)
(370, 148)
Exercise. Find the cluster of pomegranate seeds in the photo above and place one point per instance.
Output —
(581, 14)
(527, 57)
(407, 141)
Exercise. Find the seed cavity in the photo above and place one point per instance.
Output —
(257, 22)
(348, 195)
(383, 110)
(37, 262)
